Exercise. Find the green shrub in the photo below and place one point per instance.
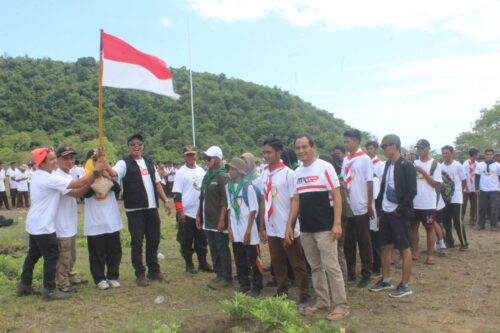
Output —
(275, 311)
(240, 307)
(9, 267)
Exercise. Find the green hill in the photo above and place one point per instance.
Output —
(49, 103)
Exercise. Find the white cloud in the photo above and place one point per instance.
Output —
(476, 19)
(164, 21)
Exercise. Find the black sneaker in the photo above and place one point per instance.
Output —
(464, 247)
(253, 293)
(190, 269)
(23, 290)
(401, 291)
(381, 285)
(205, 267)
(303, 301)
(364, 282)
(55, 295)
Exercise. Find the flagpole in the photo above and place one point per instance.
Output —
(191, 84)
(100, 94)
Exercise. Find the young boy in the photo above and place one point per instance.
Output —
(243, 205)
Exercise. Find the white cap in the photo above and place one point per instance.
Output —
(214, 151)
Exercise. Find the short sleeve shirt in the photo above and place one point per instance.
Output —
(46, 191)
(239, 226)
(426, 194)
(67, 213)
(457, 175)
(313, 184)
(188, 184)
(488, 181)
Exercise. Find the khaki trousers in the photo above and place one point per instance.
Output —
(66, 261)
(321, 253)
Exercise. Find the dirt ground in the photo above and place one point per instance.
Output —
(461, 293)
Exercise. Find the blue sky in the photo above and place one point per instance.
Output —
(418, 69)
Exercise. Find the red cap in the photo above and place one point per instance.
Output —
(39, 155)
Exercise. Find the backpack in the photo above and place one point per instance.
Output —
(447, 187)
(245, 199)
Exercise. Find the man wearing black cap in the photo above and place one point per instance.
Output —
(425, 202)
(141, 190)
(66, 223)
(186, 192)
(395, 204)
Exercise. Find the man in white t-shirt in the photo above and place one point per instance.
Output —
(46, 191)
(67, 224)
(11, 174)
(23, 198)
(357, 171)
(453, 208)
(469, 167)
(141, 191)
(170, 177)
(277, 191)
(3, 192)
(425, 202)
(488, 187)
(186, 191)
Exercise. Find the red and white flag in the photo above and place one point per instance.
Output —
(129, 68)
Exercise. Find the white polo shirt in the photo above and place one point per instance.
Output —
(67, 214)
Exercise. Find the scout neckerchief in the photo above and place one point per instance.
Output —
(233, 196)
(472, 169)
(347, 169)
(210, 176)
(376, 160)
(252, 176)
(268, 196)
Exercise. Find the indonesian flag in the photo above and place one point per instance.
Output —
(127, 67)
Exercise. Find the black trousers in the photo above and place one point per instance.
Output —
(377, 263)
(23, 199)
(472, 198)
(218, 242)
(105, 251)
(245, 257)
(144, 223)
(488, 205)
(358, 233)
(4, 200)
(187, 236)
(452, 211)
(45, 246)
(13, 197)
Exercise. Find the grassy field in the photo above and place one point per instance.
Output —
(460, 293)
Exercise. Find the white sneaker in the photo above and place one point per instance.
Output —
(103, 285)
(114, 283)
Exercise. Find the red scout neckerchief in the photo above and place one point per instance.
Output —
(269, 183)
(347, 170)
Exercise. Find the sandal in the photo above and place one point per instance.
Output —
(337, 315)
(430, 261)
(314, 308)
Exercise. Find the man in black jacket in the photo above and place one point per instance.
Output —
(395, 204)
(141, 191)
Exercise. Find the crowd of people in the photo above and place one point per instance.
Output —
(313, 212)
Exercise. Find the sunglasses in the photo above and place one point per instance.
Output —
(135, 143)
(207, 158)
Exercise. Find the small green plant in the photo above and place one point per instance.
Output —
(327, 327)
(9, 267)
(240, 307)
(162, 328)
(274, 312)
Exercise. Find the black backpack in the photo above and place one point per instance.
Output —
(447, 187)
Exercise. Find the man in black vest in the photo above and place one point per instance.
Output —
(141, 189)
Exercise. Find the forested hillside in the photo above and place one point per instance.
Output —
(49, 103)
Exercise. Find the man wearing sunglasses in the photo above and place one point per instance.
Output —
(141, 191)
(212, 217)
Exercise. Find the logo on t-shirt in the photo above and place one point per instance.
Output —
(307, 180)
(197, 184)
(144, 171)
